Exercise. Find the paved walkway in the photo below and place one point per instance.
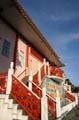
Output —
(73, 115)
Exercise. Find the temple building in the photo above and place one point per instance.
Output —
(30, 70)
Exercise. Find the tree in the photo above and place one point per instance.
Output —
(68, 82)
(76, 89)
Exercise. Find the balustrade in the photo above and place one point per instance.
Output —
(56, 71)
(3, 82)
(51, 106)
(26, 99)
(70, 96)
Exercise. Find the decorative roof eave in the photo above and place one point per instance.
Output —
(25, 15)
(53, 57)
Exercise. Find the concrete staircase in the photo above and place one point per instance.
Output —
(9, 109)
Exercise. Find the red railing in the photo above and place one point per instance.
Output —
(3, 82)
(56, 71)
(51, 105)
(29, 102)
(51, 101)
(38, 91)
(42, 72)
(46, 69)
(70, 96)
(35, 78)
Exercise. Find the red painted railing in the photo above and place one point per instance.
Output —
(26, 99)
(3, 81)
(51, 101)
(56, 71)
(46, 69)
(38, 91)
(51, 105)
(30, 101)
(42, 72)
(35, 78)
(70, 96)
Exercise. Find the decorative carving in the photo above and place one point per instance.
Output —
(3, 82)
(26, 99)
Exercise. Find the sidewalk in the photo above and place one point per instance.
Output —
(73, 114)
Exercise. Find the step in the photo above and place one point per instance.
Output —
(24, 117)
(21, 116)
(14, 117)
(2, 96)
(10, 110)
(14, 110)
(1, 103)
(10, 103)
(5, 114)
(6, 97)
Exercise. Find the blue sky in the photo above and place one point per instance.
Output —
(58, 20)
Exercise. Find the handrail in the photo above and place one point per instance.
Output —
(34, 84)
(3, 74)
(70, 96)
(25, 97)
(51, 101)
(56, 71)
(51, 98)
(29, 102)
(26, 86)
(22, 72)
(41, 90)
(3, 81)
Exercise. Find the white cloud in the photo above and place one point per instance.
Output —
(64, 17)
(65, 38)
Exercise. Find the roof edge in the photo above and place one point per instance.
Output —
(34, 27)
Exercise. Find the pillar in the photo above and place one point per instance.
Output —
(48, 68)
(44, 65)
(30, 80)
(39, 74)
(58, 105)
(44, 105)
(9, 80)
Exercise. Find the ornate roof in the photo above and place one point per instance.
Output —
(12, 12)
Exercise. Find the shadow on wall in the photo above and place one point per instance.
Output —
(20, 58)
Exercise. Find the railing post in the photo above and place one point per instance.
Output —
(30, 78)
(58, 105)
(48, 68)
(76, 99)
(39, 74)
(44, 105)
(44, 65)
(9, 80)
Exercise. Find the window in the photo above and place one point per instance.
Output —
(6, 48)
